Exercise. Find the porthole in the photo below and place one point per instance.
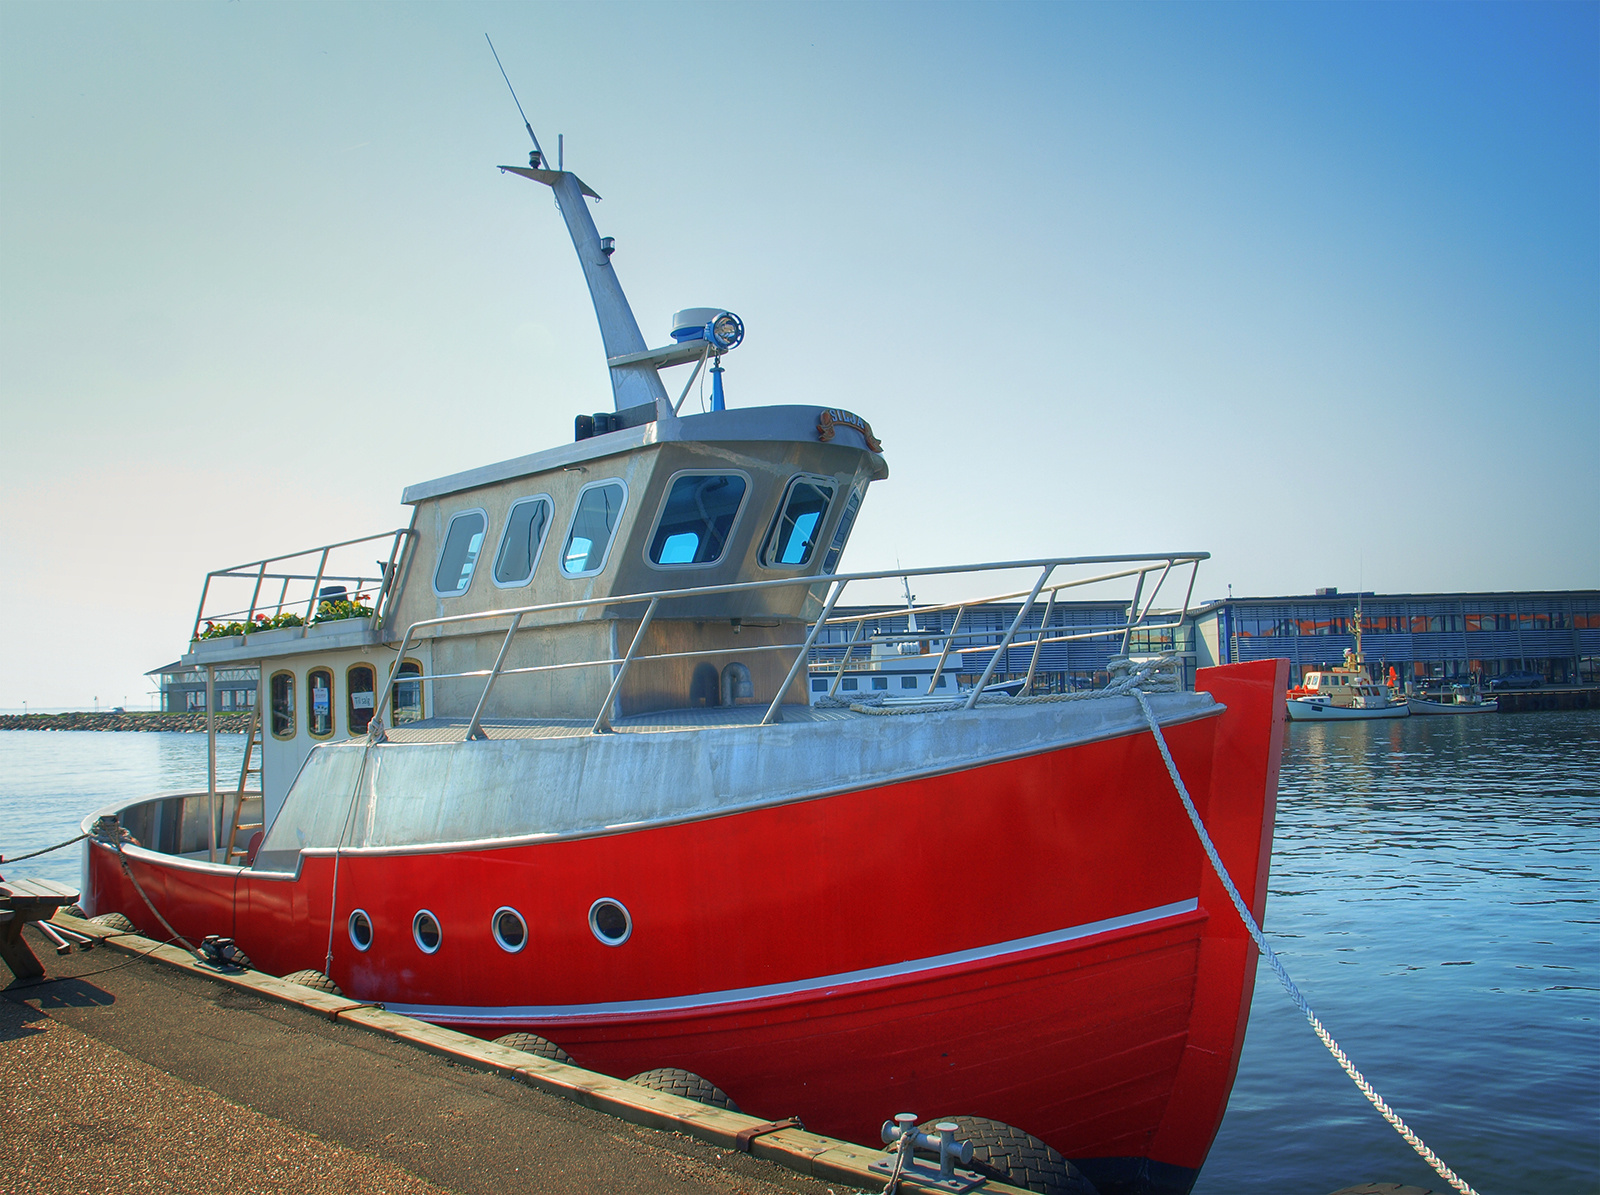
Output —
(510, 930)
(360, 926)
(425, 929)
(610, 921)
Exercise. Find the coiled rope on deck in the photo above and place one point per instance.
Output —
(1289, 985)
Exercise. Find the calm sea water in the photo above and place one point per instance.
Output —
(1435, 892)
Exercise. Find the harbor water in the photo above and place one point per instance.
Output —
(1435, 893)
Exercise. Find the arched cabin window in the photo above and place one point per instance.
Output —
(359, 683)
(407, 698)
(280, 698)
(319, 704)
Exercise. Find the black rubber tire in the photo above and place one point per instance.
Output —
(1013, 1156)
(314, 979)
(687, 1084)
(76, 911)
(532, 1043)
(115, 921)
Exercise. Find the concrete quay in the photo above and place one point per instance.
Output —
(130, 1068)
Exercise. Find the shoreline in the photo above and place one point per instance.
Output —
(187, 722)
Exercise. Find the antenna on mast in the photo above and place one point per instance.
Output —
(536, 158)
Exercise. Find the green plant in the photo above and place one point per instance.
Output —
(221, 630)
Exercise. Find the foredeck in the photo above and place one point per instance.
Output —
(454, 730)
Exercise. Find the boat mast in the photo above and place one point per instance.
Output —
(633, 383)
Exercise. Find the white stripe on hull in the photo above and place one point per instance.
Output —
(446, 1014)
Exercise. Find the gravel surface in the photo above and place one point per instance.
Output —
(86, 1118)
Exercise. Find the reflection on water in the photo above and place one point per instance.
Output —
(1434, 893)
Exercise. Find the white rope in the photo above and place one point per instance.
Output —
(1271, 956)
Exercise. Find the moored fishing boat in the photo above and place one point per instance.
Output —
(1456, 699)
(1347, 693)
(556, 768)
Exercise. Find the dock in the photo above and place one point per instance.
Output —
(133, 1067)
(1547, 697)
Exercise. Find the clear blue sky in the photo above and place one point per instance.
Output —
(1313, 287)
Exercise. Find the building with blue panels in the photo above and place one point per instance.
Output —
(1555, 635)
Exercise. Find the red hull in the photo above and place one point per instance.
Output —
(1038, 941)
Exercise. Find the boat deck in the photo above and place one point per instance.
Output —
(454, 730)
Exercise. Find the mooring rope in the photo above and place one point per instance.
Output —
(1289, 985)
(42, 850)
(139, 888)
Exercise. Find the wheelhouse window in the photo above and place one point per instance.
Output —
(594, 523)
(407, 699)
(841, 534)
(359, 683)
(697, 518)
(463, 540)
(794, 533)
(280, 689)
(522, 541)
(319, 704)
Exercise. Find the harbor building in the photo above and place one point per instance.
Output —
(1553, 635)
(183, 688)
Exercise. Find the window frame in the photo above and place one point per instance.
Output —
(311, 705)
(350, 697)
(767, 541)
(538, 554)
(733, 528)
(272, 712)
(577, 509)
(836, 547)
(444, 542)
(399, 678)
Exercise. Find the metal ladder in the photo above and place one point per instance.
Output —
(251, 747)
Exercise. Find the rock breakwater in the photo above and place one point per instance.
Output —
(187, 722)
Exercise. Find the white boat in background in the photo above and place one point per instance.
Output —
(1457, 699)
(1346, 693)
(1365, 700)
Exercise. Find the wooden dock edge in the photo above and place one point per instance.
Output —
(808, 1153)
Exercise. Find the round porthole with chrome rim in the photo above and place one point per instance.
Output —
(425, 929)
(609, 921)
(360, 927)
(510, 930)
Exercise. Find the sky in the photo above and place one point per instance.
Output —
(1314, 288)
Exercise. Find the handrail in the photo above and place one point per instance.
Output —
(1137, 619)
(258, 572)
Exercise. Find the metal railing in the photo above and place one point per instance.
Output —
(1142, 615)
(384, 585)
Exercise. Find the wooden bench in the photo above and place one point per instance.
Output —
(22, 901)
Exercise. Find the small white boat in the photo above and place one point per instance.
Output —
(1457, 699)
(1346, 693)
(1366, 701)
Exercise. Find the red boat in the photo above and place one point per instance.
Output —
(607, 795)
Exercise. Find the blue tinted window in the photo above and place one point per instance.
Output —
(794, 535)
(593, 525)
(697, 518)
(463, 540)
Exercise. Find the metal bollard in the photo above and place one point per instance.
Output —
(945, 1143)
